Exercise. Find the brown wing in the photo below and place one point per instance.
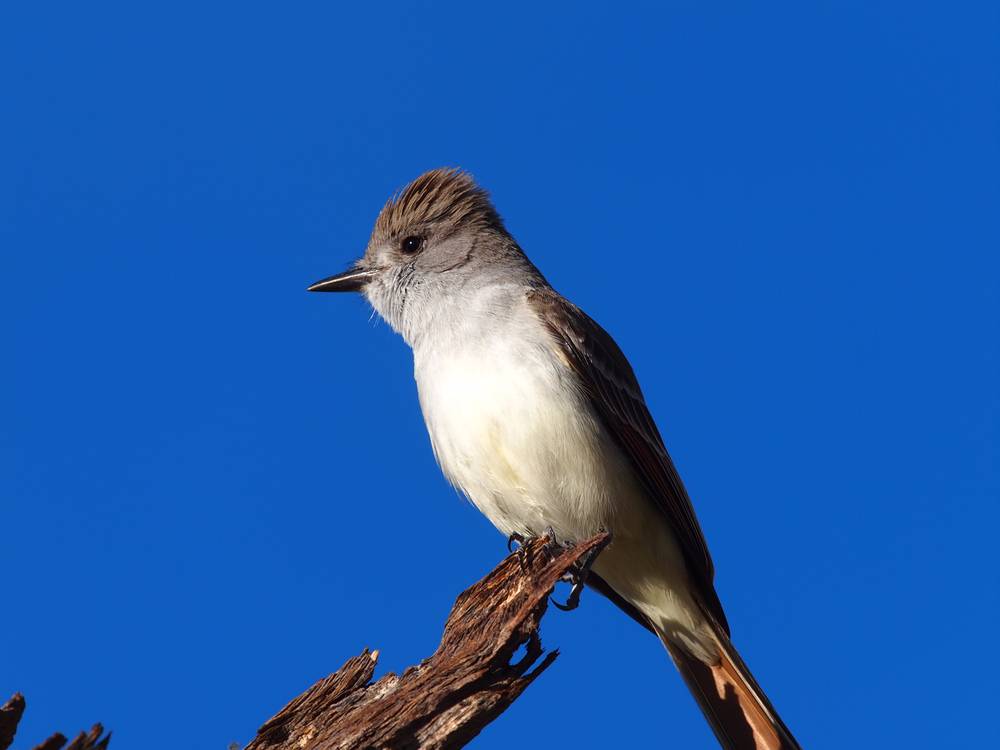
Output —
(608, 380)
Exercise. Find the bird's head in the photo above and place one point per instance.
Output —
(437, 235)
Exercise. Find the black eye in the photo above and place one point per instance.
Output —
(411, 244)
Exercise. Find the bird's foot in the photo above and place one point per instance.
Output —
(552, 544)
(522, 542)
(519, 539)
(577, 575)
(523, 553)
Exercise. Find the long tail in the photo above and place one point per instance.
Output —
(736, 708)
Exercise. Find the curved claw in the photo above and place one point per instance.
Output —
(572, 601)
(564, 607)
(513, 539)
(578, 575)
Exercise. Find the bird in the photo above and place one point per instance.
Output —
(536, 416)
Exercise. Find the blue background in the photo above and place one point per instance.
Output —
(216, 487)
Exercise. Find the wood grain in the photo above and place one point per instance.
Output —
(448, 698)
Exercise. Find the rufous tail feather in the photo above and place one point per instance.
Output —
(736, 708)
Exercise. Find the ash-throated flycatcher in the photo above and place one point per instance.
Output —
(536, 416)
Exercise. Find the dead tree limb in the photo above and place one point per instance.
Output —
(10, 717)
(448, 698)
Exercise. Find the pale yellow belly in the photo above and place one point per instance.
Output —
(526, 448)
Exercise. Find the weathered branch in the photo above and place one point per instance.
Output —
(10, 716)
(447, 699)
(439, 704)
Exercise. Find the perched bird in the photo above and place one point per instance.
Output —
(536, 416)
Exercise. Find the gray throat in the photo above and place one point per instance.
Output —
(454, 307)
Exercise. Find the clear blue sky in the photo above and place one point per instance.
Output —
(216, 487)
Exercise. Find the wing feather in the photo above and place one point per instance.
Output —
(609, 381)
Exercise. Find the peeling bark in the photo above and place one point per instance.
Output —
(10, 716)
(448, 698)
(439, 704)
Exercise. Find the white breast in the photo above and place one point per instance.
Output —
(516, 437)
(512, 430)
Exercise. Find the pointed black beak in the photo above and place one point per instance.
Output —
(349, 281)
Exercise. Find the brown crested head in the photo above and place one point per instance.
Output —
(442, 226)
(446, 199)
